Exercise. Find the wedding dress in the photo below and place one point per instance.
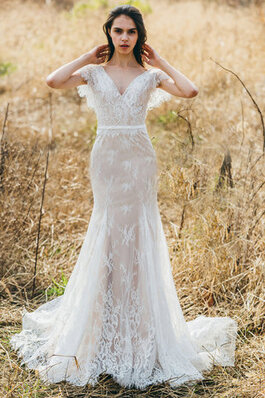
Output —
(120, 312)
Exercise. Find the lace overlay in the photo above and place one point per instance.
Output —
(120, 312)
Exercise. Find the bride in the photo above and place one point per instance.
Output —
(120, 312)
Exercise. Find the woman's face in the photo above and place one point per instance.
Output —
(123, 31)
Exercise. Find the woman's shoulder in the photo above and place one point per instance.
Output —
(154, 70)
(89, 67)
(151, 69)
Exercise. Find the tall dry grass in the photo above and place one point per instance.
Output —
(215, 234)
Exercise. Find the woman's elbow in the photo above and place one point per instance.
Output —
(51, 81)
(193, 93)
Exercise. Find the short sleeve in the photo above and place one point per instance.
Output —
(158, 95)
(85, 90)
(160, 75)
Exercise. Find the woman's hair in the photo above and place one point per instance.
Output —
(136, 16)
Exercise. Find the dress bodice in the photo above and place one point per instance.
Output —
(130, 107)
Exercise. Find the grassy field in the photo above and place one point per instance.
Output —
(213, 216)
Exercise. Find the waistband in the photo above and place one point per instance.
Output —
(126, 129)
(127, 126)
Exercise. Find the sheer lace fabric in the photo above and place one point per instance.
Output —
(120, 312)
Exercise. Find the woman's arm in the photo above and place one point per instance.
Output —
(64, 77)
(179, 84)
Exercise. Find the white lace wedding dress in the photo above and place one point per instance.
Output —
(120, 313)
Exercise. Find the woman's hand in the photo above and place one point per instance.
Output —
(150, 56)
(98, 54)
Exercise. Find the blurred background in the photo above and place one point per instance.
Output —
(210, 152)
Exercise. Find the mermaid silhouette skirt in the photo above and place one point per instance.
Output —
(120, 312)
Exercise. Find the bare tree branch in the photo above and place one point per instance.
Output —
(254, 102)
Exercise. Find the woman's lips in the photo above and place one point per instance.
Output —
(124, 46)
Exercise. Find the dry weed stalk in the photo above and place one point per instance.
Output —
(226, 171)
(4, 151)
(189, 130)
(43, 192)
(252, 99)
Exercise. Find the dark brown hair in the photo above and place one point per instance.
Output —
(136, 16)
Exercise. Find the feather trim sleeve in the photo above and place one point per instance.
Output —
(85, 90)
(158, 95)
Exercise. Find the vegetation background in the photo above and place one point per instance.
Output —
(210, 151)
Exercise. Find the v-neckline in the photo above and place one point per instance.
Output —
(114, 84)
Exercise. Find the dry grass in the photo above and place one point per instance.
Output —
(215, 236)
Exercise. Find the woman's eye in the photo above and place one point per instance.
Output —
(118, 31)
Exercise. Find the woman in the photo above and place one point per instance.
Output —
(120, 313)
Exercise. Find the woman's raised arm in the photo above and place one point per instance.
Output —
(178, 84)
(67, 77)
